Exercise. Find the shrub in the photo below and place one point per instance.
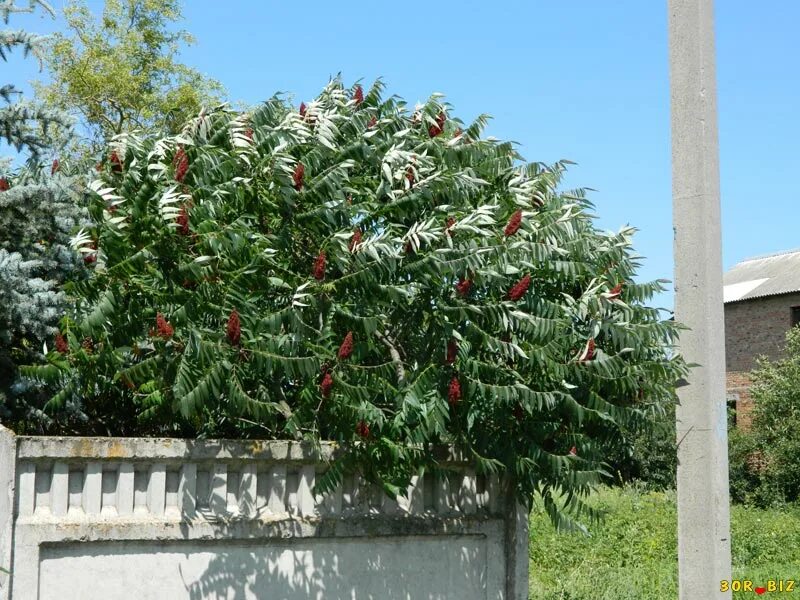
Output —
(763, 460)
(744, 479)
(649, 456)
(358, 272)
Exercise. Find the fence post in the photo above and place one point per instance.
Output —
(8, 462)
(516, 539)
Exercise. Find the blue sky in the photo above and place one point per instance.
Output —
(583, 80)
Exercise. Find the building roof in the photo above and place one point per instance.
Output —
(760, 276)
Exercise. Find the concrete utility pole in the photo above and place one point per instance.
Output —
(704, 546)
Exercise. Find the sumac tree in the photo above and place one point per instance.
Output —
(355, 271)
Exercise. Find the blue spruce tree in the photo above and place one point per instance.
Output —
(38, 212)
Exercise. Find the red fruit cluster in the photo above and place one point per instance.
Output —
(249, 134)
(116, 163)
(89, 259)
(358, 95)
(573, 451)
(519, 289)
(56, 166)
(615, 292)
(452, 351)
(183, 220)
(297, 176)
(355, 239)
(513, 224)
(180, 163)
(61, 344)
(372, 122)
(4, 185)
(87, 344)
(326, 385)
(234, 328)
(302, 109)
(410, 175)
(346, 349)
(163, 328)
(463, 287)
(319, 266)
(454, 392)
(438, 128)
(362, 429)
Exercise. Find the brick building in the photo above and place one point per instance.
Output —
(762, 301)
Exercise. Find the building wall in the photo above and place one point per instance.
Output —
(753, 328)
(737, 385)
(756, 327)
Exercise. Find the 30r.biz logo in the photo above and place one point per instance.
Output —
(745, 585)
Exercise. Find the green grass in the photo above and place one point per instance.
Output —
(633, 552)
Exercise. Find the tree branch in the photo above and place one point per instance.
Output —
(120, 112)
(396, 359)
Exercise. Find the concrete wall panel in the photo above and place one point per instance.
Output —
(424, 568)
(99, 518)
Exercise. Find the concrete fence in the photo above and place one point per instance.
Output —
(116, 518)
